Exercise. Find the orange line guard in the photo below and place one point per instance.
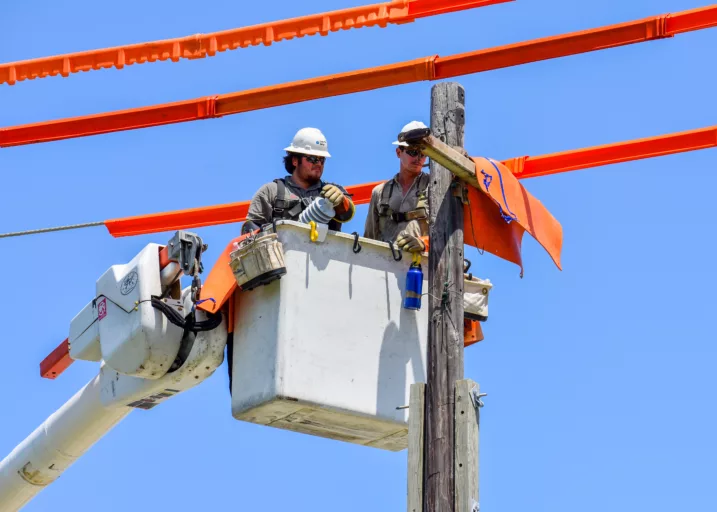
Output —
(207, 45)
(523, 167)
(428, 68)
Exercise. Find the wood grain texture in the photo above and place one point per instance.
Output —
(416, 419)
(445, 330)
(466, 468)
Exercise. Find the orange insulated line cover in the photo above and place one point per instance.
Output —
(428, 68)
(522, 167)
(648, 29)
(544, 165)
(217, 106)
(207, 45)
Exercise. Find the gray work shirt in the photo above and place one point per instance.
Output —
(261, 209)
(385, 228)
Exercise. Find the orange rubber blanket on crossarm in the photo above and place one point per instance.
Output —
(502, 210)
(220, 283)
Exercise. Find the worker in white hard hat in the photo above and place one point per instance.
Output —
(399, 208)
(286, 198)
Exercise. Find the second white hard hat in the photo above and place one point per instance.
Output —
(413, 125)
(309, 141)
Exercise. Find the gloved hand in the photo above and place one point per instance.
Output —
(249, 226)
(410, 243)
(333, 194)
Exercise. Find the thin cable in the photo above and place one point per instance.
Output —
(508, 218)
(473, 229)
(50, 230)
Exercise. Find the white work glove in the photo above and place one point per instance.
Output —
(410, 243)
(333, 194)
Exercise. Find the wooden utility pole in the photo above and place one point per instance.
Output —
(445, 283)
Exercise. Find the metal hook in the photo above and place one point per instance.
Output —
(357, 245)
(393, 252)
(466, 265)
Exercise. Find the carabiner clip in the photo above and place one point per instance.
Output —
(357, 245)
(393, 252)
(314, 235)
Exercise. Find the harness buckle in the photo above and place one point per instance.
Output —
(398, 217)
(417, 214)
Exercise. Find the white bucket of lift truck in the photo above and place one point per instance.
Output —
(328, 350)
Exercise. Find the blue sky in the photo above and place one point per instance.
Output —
(600, 378)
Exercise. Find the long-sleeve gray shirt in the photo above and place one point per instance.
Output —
(261, 209)
(385, 228)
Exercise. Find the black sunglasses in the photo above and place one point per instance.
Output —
(413, 152)
(315, 159)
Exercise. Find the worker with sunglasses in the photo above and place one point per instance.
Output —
(286, 198)
(399, 208)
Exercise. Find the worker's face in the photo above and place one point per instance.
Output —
(411, 158)
(309, 168)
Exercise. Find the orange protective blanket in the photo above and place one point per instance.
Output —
(497, 216)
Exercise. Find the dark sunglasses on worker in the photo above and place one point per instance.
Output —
(315, 159)
(413, 152)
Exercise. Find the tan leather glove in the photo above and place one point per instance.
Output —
(410, 243)
(333, 194)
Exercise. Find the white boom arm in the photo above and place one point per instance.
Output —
(94, 410)
(146, 358)
(55, 445)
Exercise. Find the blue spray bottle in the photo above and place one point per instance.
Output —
(414, 284)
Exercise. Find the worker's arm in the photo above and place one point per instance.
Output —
(261, 210)
(371, 229)
(343, 205)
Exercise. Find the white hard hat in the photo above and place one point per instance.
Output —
(309, 141)
(413, 125)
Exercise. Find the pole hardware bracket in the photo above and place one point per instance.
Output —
(476, 398)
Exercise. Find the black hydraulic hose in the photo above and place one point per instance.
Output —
(189, 324)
